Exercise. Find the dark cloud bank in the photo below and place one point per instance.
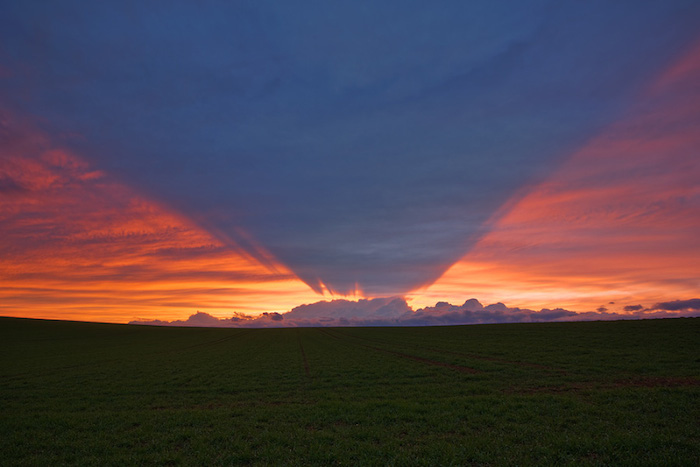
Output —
(394, 311)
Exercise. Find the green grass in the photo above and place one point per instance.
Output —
(598, 393)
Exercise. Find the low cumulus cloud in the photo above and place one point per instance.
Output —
(679, 305)
(364, 309)
(395, 311)
(201, 319)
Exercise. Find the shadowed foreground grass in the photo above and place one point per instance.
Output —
(567, 393)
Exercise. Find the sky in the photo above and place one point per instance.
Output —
(304, 163)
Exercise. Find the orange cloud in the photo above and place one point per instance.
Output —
(619, 222)
(76, 244)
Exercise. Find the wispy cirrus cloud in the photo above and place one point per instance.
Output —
(77, 244)
(236, 156)
(619, 221)
(340, 135)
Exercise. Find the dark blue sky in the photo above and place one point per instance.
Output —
(362, 142)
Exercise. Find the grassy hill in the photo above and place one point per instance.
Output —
(595, 393)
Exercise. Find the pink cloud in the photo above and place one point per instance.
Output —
(619, 221)
(77, 244)
(395, 311)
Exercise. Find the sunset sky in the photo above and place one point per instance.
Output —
(243, 159)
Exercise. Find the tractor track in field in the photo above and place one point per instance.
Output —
(303, 356)
(462, 354)
(427, 361)
(326, 332)
(415, 358)
(497, 360)
(649, 382)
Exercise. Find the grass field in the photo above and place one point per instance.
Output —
(590, 393)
